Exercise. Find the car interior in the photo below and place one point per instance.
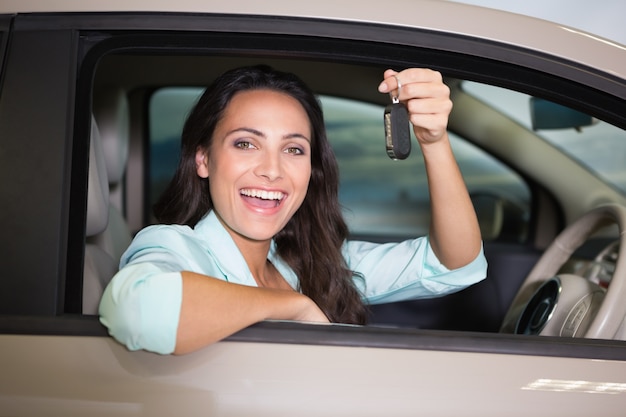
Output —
(122, 82)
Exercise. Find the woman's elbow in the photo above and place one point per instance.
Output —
(141, 311)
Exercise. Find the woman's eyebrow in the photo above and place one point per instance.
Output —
(264, 136)
(246, 129)
(297, 136)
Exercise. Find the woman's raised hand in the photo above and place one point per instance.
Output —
(426, 97)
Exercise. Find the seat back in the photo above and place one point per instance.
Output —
(99, 266)
(111, 112)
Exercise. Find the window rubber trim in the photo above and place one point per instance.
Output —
(294, 333)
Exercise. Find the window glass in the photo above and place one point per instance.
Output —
(168, 111)
(388, 198)
(382, 198)
(599, 146)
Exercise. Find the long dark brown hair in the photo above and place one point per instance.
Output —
(311, 241)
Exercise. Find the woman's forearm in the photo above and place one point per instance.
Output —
(213, 309)
(454, 231)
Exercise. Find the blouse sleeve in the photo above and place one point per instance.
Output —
(141, 305)
(141, 308)
(407, 270)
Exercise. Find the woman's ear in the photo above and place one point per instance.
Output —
(202, 167)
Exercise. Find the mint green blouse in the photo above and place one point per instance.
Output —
(141, 304)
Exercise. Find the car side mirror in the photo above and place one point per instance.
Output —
(545, 114)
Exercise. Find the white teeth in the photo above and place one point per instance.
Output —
(264, 195)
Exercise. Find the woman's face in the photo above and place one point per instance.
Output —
(259, 163)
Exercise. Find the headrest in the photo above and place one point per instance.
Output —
(98, 186)
(110, 108)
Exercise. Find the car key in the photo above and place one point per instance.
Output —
(397, 132)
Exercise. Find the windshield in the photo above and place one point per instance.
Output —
(600, 147)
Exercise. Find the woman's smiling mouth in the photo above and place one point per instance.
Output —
(262, 198)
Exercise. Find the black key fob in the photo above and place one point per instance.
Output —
(397, 131)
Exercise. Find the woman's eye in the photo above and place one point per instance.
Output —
(295, 151)
(242, 144)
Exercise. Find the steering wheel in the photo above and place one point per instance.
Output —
(571, 305)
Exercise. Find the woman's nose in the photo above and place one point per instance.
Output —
(269, 166)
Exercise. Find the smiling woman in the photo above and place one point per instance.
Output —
(256, 228)
(257, 151)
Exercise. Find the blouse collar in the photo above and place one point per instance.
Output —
(230, 259)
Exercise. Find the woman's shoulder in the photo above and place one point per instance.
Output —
(164, 236)
(165, 230)
(163, 242)
(206, 229)
(163, 233)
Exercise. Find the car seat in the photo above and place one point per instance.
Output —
(108, 234)
(99, 265)
(110, 108)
